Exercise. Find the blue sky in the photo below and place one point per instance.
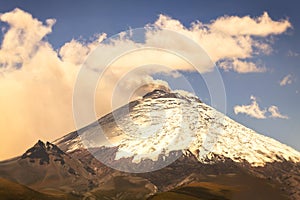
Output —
(81, 20)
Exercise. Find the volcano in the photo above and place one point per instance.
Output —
(165, 145)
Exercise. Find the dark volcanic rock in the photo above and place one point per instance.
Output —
(41, 151)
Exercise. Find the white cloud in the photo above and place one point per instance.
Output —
(240, 66)
(23, 38)
(255, 111)
(252, 110)
(230, 39)
(261, 26)
(286, 80)
(275, 113)
(75, 52)
(291, 53)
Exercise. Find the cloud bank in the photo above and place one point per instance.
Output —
(36, 80)
(231, 41)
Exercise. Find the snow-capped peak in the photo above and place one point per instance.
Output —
(163, 122)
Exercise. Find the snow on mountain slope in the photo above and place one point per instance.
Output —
(163, 122)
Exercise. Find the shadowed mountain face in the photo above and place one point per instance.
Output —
(233, 169)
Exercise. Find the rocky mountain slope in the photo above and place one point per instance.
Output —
(166, 145)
